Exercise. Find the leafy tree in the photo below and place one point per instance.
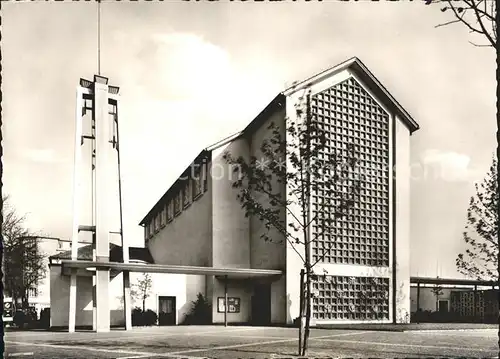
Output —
(142, 289)
(309, 169)
(480, 258)
(24, 263)
(201, 311)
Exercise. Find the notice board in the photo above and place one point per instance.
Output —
(232, 307)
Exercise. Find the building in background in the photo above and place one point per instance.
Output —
(454, 300)
(39, 296)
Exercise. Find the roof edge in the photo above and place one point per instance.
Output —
(371, 81)
(201, 155)
(251, 126)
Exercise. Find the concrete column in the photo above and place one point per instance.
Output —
(72, 302)
(400, 218)
(474, 303)
(102, 301)
(94, 304)
(417, 313)
(76, 207)
(127, 302)
(104, 184)
(225, 301)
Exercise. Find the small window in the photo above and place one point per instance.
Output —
(205, 177)
(170, 211)
(157, 223)
(177, 203)
(187, 193)
(163, 220)
(196, 184)
(32, 292)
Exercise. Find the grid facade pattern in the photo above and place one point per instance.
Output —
(351, 298)
(467, 304)
(351, 117)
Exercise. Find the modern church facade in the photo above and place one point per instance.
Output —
(199, 234)
(200, 222)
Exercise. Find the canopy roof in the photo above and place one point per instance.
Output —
(174, 269)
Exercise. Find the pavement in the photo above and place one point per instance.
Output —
(249, 342)
(410, 326)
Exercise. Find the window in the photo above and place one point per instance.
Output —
(170, 211)
(163, 220)
(157, 222)
(177, 203)
(186, 193)
(32, 292)
(205, 177)
(196, 184)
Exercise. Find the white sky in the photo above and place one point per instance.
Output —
(191, 73)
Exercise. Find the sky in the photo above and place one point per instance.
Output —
(191, 73)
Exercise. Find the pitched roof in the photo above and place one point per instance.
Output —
(357, 66)
(354, 64)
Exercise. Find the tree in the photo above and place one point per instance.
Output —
(480, 258)
(295, 166)
(142, 290)
(200, 313)
(481, 18)
(437, 290)
(24, 262)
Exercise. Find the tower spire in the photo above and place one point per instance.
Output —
(98, 37)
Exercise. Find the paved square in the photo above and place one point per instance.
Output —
(248, 342)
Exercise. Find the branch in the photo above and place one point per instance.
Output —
(480, 21)
(461, 18)
(476, 8)
(447, 23)
(283, 203)
(478, 45)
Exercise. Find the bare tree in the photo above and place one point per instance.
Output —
(24, 263)
(270, 190)
(479, 16)
(142, 289)
(437, 290)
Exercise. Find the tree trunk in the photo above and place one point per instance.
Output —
(307, 230)
(143, 305)
(301, 311)
(497, 21)
(308, 310)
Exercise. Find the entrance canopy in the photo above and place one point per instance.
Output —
(236, 273)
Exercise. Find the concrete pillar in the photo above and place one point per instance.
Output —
(399, 218)
(417, 313)
(72, 303)
(94, 304)
(103, 317)
(76, 207)
(105, 177)
(474, 303)
(127, 302)
(225, 301)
